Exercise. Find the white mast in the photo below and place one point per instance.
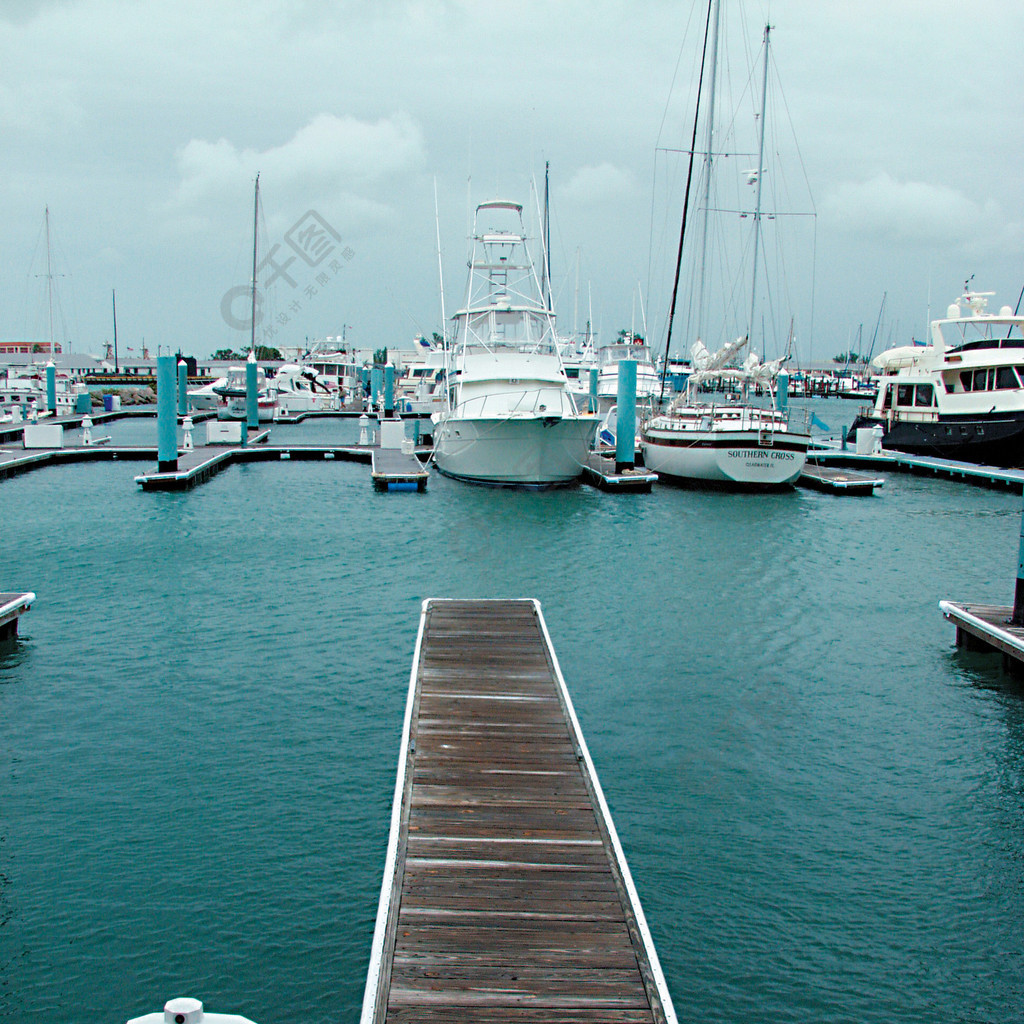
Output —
(708, 160)
(760, 176)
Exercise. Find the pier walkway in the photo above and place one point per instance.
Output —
(506, 895)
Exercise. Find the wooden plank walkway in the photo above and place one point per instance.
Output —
(506, 895)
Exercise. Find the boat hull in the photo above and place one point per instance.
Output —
(732, 458)
(514, 452)
(996, 440)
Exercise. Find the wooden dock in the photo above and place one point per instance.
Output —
(506, 896)
(394, 470)
(12, 607)
(987, 627)
(838, 481)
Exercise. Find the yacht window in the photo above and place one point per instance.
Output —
(887, 398)
(924, 395)
(981, 380)
(905, 394)
(1005, 378)
(967, 380)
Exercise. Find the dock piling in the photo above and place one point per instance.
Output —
(1017, 618)
(252, 399)
(625, 417)
(166, 416)
(389, 391)
(51, 388)
(182, 388)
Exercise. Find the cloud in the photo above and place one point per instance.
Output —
(912, 213)
(598, 184)
(325, 158)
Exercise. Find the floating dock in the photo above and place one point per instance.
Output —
(506, 895)
(987, 627)
(395, 470)
(600, 472)
(838, 481)
(12, 607)
(898, 462)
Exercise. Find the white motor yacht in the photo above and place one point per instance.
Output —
(959, 397)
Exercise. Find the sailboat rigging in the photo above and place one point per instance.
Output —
(734, 444)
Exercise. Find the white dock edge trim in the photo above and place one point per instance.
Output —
(21, 602)
(384, 907)
(951, 609)
(620, 856)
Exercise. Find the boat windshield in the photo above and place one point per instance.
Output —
(980, 333)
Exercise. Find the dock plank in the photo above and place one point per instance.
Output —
(506, 894)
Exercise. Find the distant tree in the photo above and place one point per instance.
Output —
(849, 357)
(380, 356)
(438, 338)
(37, 347)
(225, 354)
(267, 352)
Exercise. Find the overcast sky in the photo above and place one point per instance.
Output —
(142, 126)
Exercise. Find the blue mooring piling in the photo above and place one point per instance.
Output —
(376, 383)
(182, 388)
(782, 391)
(389, 390)
(1017, 618)
(51, 387)
(166, 417)
(252, 398)
(593, 389)
(625, 417)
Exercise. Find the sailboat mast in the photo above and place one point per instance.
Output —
(255, 229)
(440, 272)
(547, 237)
(686, 206)
(113, 299)
(760, 179)
(49, 277)
(708, 159)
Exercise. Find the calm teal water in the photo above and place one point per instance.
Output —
(821, 798)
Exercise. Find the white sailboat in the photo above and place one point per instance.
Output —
(738, 444)
(510, 419)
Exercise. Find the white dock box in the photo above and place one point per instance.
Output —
(44, 435)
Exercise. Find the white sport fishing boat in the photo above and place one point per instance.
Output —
(648, 382)
(510, 419)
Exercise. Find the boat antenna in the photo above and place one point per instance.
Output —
(255, 224)
(760, 181)
(440, 271)
(686, 203)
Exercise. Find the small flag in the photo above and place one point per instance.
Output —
(815, 422)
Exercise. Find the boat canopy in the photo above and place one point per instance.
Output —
(500, 204)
